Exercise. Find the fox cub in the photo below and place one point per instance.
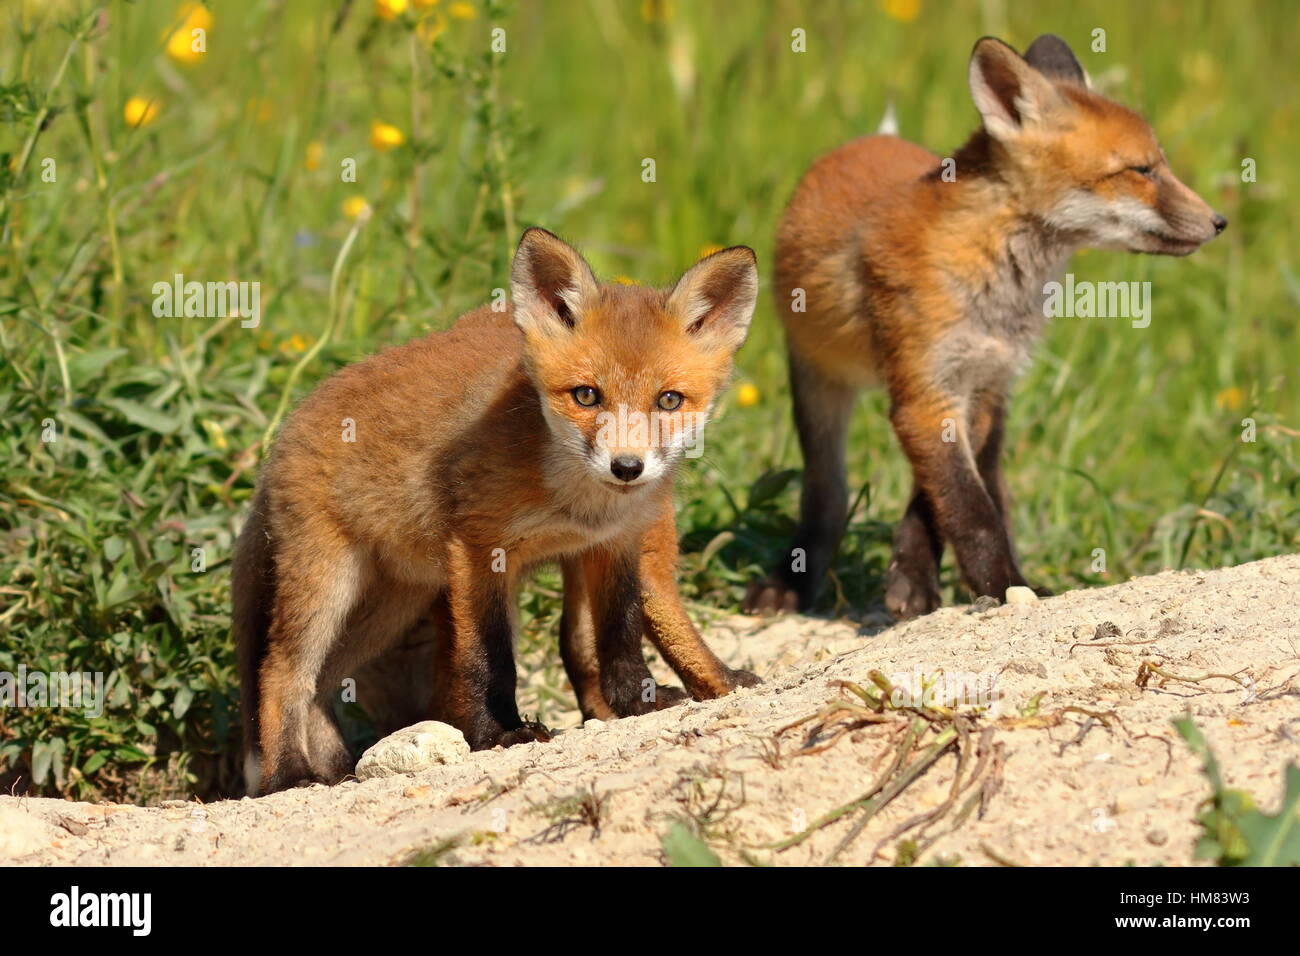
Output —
(927, 276)
(549, 432)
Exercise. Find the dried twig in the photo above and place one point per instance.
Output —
(1149, 640)
(1148, 668)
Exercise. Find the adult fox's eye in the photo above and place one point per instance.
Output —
(586, 396)
(670, 401)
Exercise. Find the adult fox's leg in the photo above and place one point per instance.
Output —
(822, 408)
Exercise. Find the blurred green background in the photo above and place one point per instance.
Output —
(226, 165)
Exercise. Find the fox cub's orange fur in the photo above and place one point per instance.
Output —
(478, 454)
(933, 285)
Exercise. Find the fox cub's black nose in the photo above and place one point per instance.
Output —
(627, 467)
(1220, 223)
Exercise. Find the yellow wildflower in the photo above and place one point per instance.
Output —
(314, 152)
(216, 434)
(181, 41)
(140, 111)
(1230, 399)
(295, 344)
(462, 11)
(356, 207)
(389, 9)
(384, 136)
(904, 11)
(747, 395)
(430, 28)
(625, 280)
(706, 251)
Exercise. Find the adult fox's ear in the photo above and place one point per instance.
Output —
(714, 300)
(551, 285)
(1009, 93)
(1052, 57)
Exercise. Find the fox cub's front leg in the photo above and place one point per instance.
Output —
(611, 601)
(474, 662)
(600, 638)
(667, 623)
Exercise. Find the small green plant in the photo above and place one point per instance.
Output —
(683, 848)
(435, 854)
(586, 808)
(1234, 832)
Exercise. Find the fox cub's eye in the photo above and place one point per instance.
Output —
(670, 401)
(586, 396)
(1141, 170)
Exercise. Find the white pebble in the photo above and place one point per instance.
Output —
(1019, 594)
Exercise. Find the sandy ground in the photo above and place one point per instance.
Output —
(1061, 788)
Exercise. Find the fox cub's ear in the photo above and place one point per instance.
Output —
(715, 299)
(550, 284)
(1052, 57)
(1009, 93)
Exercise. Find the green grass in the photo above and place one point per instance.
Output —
(1121, 439)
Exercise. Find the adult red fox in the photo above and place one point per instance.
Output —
(928, 277)
(428, 480)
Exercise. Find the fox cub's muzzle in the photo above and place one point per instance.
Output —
(627, 467)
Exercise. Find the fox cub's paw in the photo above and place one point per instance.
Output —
(721, 682)
(737, 677)
(634, 699)
(291, 781)
(771, 596)
(666, 697)
(529, 733)
(906, 596)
